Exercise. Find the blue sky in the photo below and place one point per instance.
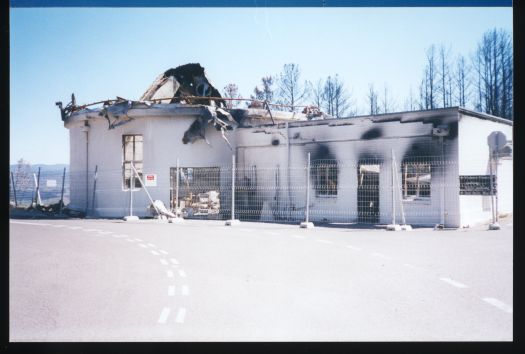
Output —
(101, 53)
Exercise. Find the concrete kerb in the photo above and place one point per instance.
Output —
(232, 222)
(306, 225)
(397, 227)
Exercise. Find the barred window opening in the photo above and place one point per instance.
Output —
(132, 147)
(416, 180)
(325, 177)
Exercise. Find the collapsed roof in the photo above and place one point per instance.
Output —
(178, 91)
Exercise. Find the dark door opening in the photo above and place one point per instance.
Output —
(368, 193)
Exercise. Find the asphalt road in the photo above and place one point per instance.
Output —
(109, 280)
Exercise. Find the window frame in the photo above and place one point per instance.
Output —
(409, 192)
(126, 181)
(327, 171)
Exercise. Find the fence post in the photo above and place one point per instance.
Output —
(494, 225)
(177, 188)
(38, 200)
(62, 191)
(307, 224)
(131, 183)
(95, 177)
(393, 189)
(14, 188)
(233, 221)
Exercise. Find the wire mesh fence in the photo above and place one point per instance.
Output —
(38, 188)
(420, 190)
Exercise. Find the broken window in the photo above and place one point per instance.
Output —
(132, 146)
(416, 180)
(325, 177)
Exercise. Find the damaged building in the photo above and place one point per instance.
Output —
(423, 167)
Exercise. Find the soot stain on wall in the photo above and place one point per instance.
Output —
(372, 133)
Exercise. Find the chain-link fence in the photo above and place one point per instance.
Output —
(375, 190)
(39, 188)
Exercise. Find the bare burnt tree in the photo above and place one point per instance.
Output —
(371, 98)
(493, 65)
(410, 102)
(342, 99)
(317, 97)
(266, 93)
(428, 87)
(231, 91)
(445, 82)
(462, 81)
(387, 104)
(292, 91)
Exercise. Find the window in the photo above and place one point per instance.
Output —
(325, 177)
(416, 180)
(132, 146)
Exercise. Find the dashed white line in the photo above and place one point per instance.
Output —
(143, 245)
(152, 245)
(185, 290)
(354, 248)
(499, 304)
(247, 230)
(298, 236)
(58, 226)
(130, 240)
(169, 274)
(174, 261)
(105, 232)
(272, 233)
(155, 253)
(138, 239)
(457, 284)
(380, 255)
(163, 261)
(171, 290)
(163, 252)
(164, 315)
(182, 273)
(180, 315)
(324, 241)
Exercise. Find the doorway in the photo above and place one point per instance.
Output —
(368, 193)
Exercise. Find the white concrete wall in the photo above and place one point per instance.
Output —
(474, 160)
(162, 146)
(346, 144)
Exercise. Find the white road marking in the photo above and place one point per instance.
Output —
(138, 239)
(501, 305)
(143, 245)
(28, 223)
(130, 240)
(169, 274)
(185, 290)
(298, 236)
(88, 230)
(75, 227)
(163, 252)
(272, 233)
(105, 232)
(380, 255)
(58, 225)
(324, 241)
(174, 261)
(354, 248)
(152, 245)
(155, 253)
(453, 282)
(171, 290)
(180, 315)
(121, 235)
(182, 273)
(164, 315)
(247, 230)
(163, 261)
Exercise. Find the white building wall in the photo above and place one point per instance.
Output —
(162, 146)
(344, 139)
(474, 160)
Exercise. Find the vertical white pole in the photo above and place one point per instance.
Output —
(308, 190)
(496, 184)
(233, 187)
(442, 181)
(492, 188)
(393, 189)
(177, 189)
(131, 183)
